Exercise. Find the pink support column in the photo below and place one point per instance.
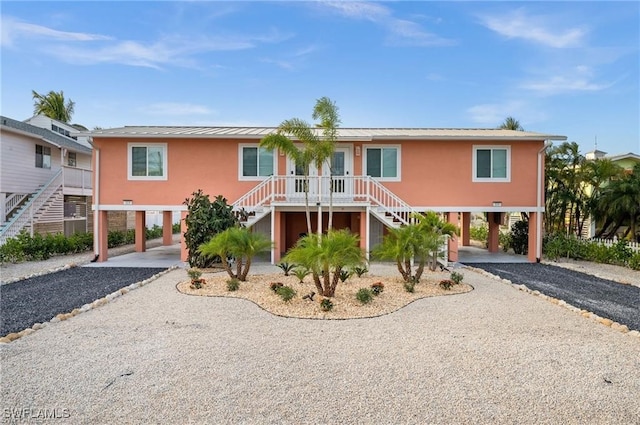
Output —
(532, 255)
(167, 228)
(465, 229)
(452, 218)
(278, 243)
(184, 252)
(494, 232)
(141, 240)
(103, 236)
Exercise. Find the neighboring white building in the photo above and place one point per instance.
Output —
(45, 178)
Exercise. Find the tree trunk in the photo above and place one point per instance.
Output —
(245, 271)
(227, 266)
(316, 281)
(420, 270)
(406, 275)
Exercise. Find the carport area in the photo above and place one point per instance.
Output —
(472, 254)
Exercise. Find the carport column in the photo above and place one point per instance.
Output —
(276, 237)
(167, 228)
(493, 240)
(532, 255)
(184, 252)
(141, 231)
(452, 217)
(465, 229)
(103, 235)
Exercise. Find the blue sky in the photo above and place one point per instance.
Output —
(568, 68)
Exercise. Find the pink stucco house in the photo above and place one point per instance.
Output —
(381, 175)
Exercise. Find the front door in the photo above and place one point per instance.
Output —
(340, 169)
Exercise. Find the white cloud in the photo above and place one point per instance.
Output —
(13, 30)
(578, 79)
(491, 115)
(401, 31)
(538, 29)
(171, 50)
(171, 108)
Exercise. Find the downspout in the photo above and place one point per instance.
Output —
(96, 202)
(547, 144)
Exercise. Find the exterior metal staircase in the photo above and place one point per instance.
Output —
(35, 207)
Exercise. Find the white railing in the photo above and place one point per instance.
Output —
(351, 189)
(77, 178)
(19, 221)
(634, 246)
(12, 201)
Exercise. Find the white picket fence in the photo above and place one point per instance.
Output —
(634, 246)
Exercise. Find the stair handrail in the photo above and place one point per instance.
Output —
(13, 201)
(389, 201)
(18, 221)
(258, 195)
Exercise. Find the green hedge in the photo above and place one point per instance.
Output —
(24, 247)
(560, 245)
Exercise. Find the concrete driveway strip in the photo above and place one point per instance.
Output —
(494, 355)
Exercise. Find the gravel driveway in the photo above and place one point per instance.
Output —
(620, 303)
(495, 355)
(38, 299)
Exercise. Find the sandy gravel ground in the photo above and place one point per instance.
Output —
(492, 355)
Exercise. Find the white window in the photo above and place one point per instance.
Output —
(383, 162)
(71, 159)
(147, 161)
(256, 163)
(43, 156)
(491, 164)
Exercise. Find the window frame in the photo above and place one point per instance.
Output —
(42, 156)
(365, 158)
(165, 154)
(474, 161)
(70, 162)
(241, 176)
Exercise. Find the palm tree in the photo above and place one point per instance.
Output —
(511, 123)
(419, 242)
(326, 257)
(237, 242)
(53, 105)
(619, 202)
(315, 150)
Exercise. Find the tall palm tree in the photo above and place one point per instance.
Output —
(511, 123)
(53, 105)
(315, 150)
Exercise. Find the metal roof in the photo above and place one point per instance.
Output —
(344, 134)
(49, 136)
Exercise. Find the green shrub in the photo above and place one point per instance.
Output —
(344, 275)
(286, 293)
(286, 267)
(620, 252)
(153, 233)
(479, 233)
(409, 286)
(457, 277)
(505, 241)
(176, 228)
(301, 273)
(364, 295)
(194, 273)
(233, 284)
(360, 270)
(326, 304)
(634, 261)
(11, 251)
